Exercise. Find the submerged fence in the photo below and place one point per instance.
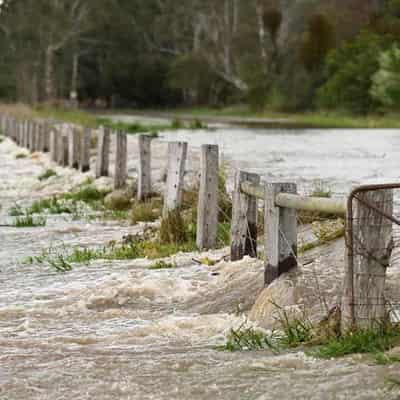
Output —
(368, 211)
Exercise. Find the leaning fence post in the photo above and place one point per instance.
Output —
(177, 152)
(369, 246)
(144, 181)
(86, 137)
(280, 233)
(244, 219)
(121, 160)
(103, 152)
(207, 211)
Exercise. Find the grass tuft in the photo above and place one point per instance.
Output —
(162, 265)
(47, 174)
(28, 221)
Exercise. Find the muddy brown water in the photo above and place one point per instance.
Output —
(117, 330)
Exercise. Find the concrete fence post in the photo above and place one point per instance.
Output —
(121, 160)
(244, 219)
(280, 233)
(207, 211)
(177, 153)
(144, 172)
(103, 152)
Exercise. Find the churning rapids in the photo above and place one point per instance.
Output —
(117, 330)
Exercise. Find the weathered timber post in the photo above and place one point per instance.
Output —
(40, 136)
(369, 236)
(20, 132)
(144, 181)
(177, 153)
(121, 160)
(54, 134)
(74, 149)
(60, 146)
(244, 219)
(86, 137)
(35, 135)
(46, 137)
(207, 210)
(280, 233)
(25, 139)
(103, 152)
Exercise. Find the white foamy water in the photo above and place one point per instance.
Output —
(117, 330)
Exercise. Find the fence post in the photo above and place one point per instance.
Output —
(207, 211)
(121, 160)
(73, 147)
(177, 152)
(244, 219)
(40, 135)
(280, 233)
(46, 137)
(144, 181)
(103, 152)
(86, 137)
(53, 144)
(369, 247)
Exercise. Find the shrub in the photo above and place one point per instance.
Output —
(386, 82)
(47, 174)
(349, 70)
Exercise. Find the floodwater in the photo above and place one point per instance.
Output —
(118, 330)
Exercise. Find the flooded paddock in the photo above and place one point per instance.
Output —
(118, 330)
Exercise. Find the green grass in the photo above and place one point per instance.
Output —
(16, 211)
(72, 116)
(87, 193)
(162, 265)
(59, 257)
(371, 341)
(385, 359)
(21, 155)
(29, 221)
(147, 211)
(47, 174)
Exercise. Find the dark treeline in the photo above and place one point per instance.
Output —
(284, 54)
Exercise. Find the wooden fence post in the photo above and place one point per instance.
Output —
(86, 137)
(207, 210)
(103, 152)
(144, 172)
(177, 153)
(121, 160)
(53, 144)
(74, 142)
(244, 219)
(280, 233)
(368, 255)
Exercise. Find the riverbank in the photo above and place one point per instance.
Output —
(244, 116)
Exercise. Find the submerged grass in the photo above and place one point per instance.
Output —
(47, 174)
(29, 221)
(360, 341)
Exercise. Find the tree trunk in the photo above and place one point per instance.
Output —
(49, 75)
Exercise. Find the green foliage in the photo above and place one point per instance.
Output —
(385, 359)
(386, 82)
(47, 174)
(349, 70)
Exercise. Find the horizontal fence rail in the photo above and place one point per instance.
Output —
(297, 202)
